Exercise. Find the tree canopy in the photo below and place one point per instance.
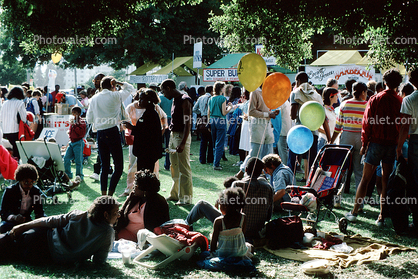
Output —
(116, 35)
(386, 27)
(152, 30)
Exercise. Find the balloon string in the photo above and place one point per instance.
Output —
(294, 170)
(258, 153)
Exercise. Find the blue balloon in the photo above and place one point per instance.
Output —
(299, 139)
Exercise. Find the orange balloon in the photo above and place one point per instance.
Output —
(276, 90)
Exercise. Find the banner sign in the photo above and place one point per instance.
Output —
(148, 79)
(342, 73)
(197, 55)
(220, 74)
(270, 61)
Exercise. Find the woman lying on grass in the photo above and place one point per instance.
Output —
(65, 238)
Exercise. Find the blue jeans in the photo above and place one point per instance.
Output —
(257, 149)
(74, 151)
(166, 142)
(108, 142)
(218, 131)
(202, 209)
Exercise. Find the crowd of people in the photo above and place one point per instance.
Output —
(377, 125)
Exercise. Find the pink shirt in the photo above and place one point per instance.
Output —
(136, 223)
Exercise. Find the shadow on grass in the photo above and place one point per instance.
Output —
(78, 270)
(406, 270)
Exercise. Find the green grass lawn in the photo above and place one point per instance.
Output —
(207, 183)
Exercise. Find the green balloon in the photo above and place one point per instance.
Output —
(312, 115)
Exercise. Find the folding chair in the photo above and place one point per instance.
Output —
(170, 247)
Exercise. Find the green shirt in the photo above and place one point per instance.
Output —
(215, 105)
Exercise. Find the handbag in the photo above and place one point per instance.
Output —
(129, 138)
(25, 132)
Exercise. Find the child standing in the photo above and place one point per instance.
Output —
(76, 145)
(228, 230)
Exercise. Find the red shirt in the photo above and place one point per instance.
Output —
(382, 119)
(77, 130)
(54, 93)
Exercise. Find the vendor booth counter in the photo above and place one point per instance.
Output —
(57, 126)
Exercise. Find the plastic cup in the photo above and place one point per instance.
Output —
(321, 234)
(126, 256)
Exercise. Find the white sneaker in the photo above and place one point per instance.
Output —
(351, 217)
(95, 176)
(78, 179)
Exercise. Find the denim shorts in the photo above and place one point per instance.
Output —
(378, 152)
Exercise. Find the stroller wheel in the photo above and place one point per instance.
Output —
(54, 200)
(342, 225)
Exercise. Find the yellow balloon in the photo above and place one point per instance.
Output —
(56, 57)
(252, 71)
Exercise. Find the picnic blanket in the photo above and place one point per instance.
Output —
(366, 250)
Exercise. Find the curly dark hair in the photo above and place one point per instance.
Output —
(147, 181)
(233, 199)
(392, 78)
(229, 180)
(101, 205)
(26, 171)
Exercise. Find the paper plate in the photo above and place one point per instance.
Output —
(315, 267)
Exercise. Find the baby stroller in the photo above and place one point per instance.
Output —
(326, 180)
(46, 157)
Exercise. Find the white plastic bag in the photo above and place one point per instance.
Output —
(342, 248)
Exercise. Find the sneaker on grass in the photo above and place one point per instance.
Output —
(95, 176)
(351, 217)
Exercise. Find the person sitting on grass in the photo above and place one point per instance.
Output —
(281, 176)
(260, 193)
(21, 198)
(66, 238)
(228, 229)
(203, 209)
(258, 211)
(75, 147)
(144, 208)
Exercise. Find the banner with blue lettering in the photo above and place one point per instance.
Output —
(220, 74)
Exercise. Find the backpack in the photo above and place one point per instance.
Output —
(283, 232)
(398, 191)
(30, 107)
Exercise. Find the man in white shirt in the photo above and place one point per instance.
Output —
(105, 114)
